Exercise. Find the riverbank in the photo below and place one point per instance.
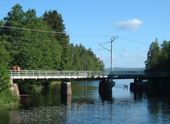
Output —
(8, 100)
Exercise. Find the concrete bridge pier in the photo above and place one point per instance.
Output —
(138, 85)
(66, 92)
(133, 85)
(66, 88)
(105, 87)
(137, 80)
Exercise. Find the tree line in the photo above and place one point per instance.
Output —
(33, 42)
(39, 43)
(158, 57)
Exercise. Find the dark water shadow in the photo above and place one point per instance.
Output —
(106, 97)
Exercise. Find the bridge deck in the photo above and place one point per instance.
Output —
(79, 75)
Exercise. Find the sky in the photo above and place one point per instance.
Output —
(92, 22)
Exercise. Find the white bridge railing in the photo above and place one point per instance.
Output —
(72, 73)
(52, 74)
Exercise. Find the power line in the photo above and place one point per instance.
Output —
(89, 35)
(103, 43)
(54, 32)
(104, 47)
(136, 41)
(34, 30)
(31, 39)
(80, 35)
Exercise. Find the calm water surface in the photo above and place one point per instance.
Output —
(87, 107)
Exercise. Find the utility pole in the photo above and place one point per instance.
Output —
(111, 50)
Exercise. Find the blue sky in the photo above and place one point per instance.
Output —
(87, 21)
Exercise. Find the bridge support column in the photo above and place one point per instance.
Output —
(137, 80)
(66, 92)
(138, 85)
(105, 88)
(66, 88)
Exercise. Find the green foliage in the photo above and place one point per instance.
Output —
(39, 43)
(39, 49)
(54, 20)
(8, 100)
(1, 22)
(82, 59)
(4, 79)
(153, 55)
(4, 55)
(4, 76)
(31, 86)
(15, 16)
(158, 57)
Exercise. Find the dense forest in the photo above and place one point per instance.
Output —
(158, 58)
(33, 42)
(38, 43)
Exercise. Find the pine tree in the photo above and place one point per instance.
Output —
(153, 56)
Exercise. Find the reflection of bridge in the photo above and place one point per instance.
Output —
(83, 75)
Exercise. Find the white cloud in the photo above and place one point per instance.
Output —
(106, 58)
(125, 55)
(132, 25)
(142, 55)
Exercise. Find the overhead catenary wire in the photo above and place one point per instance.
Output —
(31, 39)
(89, 35)
(103, 43)
(104, 47)
(79, 35)
(125, 38)
(53, 32)
(34, 30)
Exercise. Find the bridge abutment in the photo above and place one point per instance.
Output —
(14, 88)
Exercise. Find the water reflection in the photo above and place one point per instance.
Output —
(86, 106)
(66, 99)
(40, 115)
(106, 97)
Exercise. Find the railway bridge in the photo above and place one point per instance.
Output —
(105, 77)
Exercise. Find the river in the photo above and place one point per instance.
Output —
(87, 107)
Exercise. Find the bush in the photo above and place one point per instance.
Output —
(8, 100)
(4, 79)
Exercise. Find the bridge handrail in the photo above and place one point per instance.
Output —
(71, 73)
(85, 73)
(54, 73)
